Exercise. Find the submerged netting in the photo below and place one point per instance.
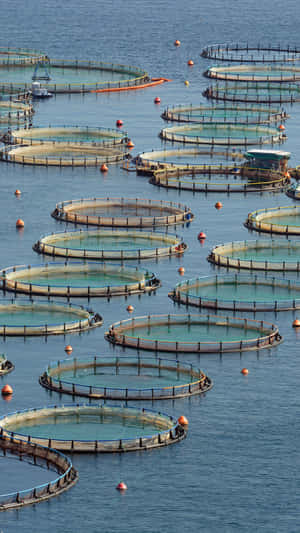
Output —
(224, 113)
(239, 292)
(77, 279)
(28, 317)
(193, 333)
(62, 155)
(43, 457)
(84, 135)
(285, 220)
(19, 57)
(77, 76)
(125, 378)
(115, 244)
(223, 134)
(245, 53)
(260, 93)
(258, 255)
(6, 366)
(122, 212)
(97, 428)
(255, 73)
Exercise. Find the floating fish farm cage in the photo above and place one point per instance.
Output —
(284, 220)
(26, 317)
(255, 73)
(39, 456)
(193, 333)
(245, 53)
(125, 378)
(60, 76)
(19, 57)
(223, 134)
(260, 93)
(77, 279)
(258, 255)
(6, 366)
(239, 292)
(62, 154)
(83, 135)
(114, 244)
(93, 428)
(227, 114)
(122, 212)
(14, 95)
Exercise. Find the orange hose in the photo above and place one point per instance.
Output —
(152, 83)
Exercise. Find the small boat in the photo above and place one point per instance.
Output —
(39, 92)
(294, 191)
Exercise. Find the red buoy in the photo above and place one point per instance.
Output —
(177, 43)
(296, 323)
(245, 371)
(7, 390)
(130, 308)
(281, 127)
(104, 168)
(218, 205)
(130, 144)
(119, 123)
(121, 486)
(17, 192)
(190, 62)
(183, 421)
(68, 349)
(181, 271)
(157, 100)
(20, 223)
(201, 236)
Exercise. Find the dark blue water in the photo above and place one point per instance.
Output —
(238, 469)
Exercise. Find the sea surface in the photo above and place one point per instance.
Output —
(238, 469)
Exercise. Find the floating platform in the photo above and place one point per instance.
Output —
(125, 378)
(77, 279)
(93, 428)
(122, 212)
(193, 333)
(245, 53)
(284, 220)
(280, 255)
(239, 292)
(253, 92)
(255, 73)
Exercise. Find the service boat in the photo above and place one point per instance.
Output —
(39, 92)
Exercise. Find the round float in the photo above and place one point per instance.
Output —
(222, 134)
(93, 428)
(125, 378)
(281, 255)
(26, 317)
(260, 93)
(193, 333)
(245, 53)
(255, 73)
(122, 212)
(114, 244)
(77, 279)
(83, 135)
(5, 365)
(285, 220)
(239, 292)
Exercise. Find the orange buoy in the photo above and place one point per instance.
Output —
(218, 205)
(20, 223)
(181, 271)
(190, 62)
(245, 371)
(201, 236)
(296, 323)
(157, 100)
(104, 168)
(130, 144)
(183, 421)
(281, 127)
(130, 308)
(121, 486)
(17, 192)
(68, 349)
(177, 43)
(7, 390)
(119, 123)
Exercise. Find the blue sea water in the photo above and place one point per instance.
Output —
(237, 471)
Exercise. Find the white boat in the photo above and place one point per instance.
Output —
(39, 92)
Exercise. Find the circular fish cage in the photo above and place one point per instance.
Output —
(8, 106)
(26, 317)
(223, 134)
(250, 114)
(245, 53)
(62, 76)
(255, 73)
(5, 366)
(217, 178)
(114, 244)
(43, 457)
(77, 279)
(260, 93)
(239, 292)
(193, 333)
(19, 57)
(125, 378)
(15, 95)
(258, 255)
(62, 154)
(83, 135)
(122, 212)
(284, 220)
(93, 428)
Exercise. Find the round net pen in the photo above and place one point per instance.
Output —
(19, 57)
(93, 428)
(255, 73)
(284, 220)
(6, 366)
(247, 53)
(193, 333)
(125, 378)
(43, 457)
(238, 292)
(33, 318)
(258, 255)
(122, 212)
(113, 245)
(251, 93)
(215, 133)
(78, 279)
